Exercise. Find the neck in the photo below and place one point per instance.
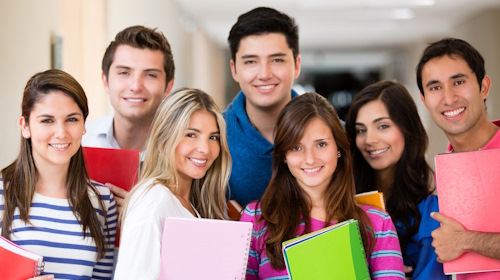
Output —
(384, 180)
(51, 181)
(474, 139)
(131, 135)
(264, 121)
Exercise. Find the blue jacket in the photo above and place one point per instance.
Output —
(250, 151)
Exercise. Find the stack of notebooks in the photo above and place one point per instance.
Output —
(334, 252)
(17, 263)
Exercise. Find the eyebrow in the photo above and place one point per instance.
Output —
(374, 121)
(144, 70)
(199, 131)
(248, 56)
(51, 116)
(456, 76)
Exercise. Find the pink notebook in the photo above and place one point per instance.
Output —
(469, 192)
(204, 249)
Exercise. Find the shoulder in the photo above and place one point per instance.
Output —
(378, 217)
(97, 131)
(154, 198)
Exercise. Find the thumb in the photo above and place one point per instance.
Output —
(439, 217)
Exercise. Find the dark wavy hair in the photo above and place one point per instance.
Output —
(412, 179)
(20, 177)
(284, 204)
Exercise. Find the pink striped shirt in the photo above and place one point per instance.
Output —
(385, 262)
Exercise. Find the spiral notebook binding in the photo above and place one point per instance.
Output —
(245, 259)
(38, 269)
(362, 246)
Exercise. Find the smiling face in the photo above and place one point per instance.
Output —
(314, 159)
(136, 83)
(452, 96)
(55, 127)
(198, 148)
(265, 69)
(378, 138)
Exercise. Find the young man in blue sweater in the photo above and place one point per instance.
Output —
(265, 62)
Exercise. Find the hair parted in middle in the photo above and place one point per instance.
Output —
(284, 204)
(208, 194)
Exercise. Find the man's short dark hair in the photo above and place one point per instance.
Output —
(263, 20)
(452, 47)
(142, 38)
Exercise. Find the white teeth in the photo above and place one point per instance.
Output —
(266, 87)
(135, 100)
(59, 146)
(377, 152)
(311, 170)
(198, 161)
(454, 113)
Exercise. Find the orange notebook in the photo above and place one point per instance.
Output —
(468, 187)
(116, 166)
(196, 248)
(373, 198)
(18, 263)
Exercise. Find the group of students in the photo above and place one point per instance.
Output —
(287, 158)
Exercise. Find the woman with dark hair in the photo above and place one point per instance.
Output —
(48, 205)
(388, 146)
(312, 187)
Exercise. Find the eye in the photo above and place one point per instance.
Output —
(459, 82)
(434, 88)
(214, 138)
(383, 126)
(151, 75)
(47, 121)
(360, 130)
(123, 73)
(190, 135)
(249, 62)
(278, 60)
(321, 144)
(296, 148)
(73, 119)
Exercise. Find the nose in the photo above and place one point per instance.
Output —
(371, 137)
(265, 72)
(60, 131)
(310, 156)
(136, 83)
(449, 95)
(202, 146)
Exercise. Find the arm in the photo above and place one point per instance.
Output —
(385, 261)
(451, 240)
(103, 269)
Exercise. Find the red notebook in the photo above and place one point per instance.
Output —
(468, 187)
(116, 166)
(18, 263)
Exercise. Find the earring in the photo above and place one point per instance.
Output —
(84, 131)
(339, 154)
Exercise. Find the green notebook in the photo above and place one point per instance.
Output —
(334, 252)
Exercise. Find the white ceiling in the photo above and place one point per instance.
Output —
(330, 25)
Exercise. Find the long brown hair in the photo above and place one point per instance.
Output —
(20, 177)
(284, 205)
(412, 180)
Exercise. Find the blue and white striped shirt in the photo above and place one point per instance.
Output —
(57, 235)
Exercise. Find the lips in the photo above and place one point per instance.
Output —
(378, 152)
(59, 146)
(454, 113)
(199, 162)
(312, 170)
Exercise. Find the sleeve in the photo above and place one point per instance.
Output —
(103, 269)
(386, 261)
(140, 245)
(427, 266)
(249, 215)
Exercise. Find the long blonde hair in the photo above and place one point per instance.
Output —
(208, 194)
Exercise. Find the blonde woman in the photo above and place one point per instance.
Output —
(185, 174)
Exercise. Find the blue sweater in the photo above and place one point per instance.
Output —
(250, 151)
(420, 249)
